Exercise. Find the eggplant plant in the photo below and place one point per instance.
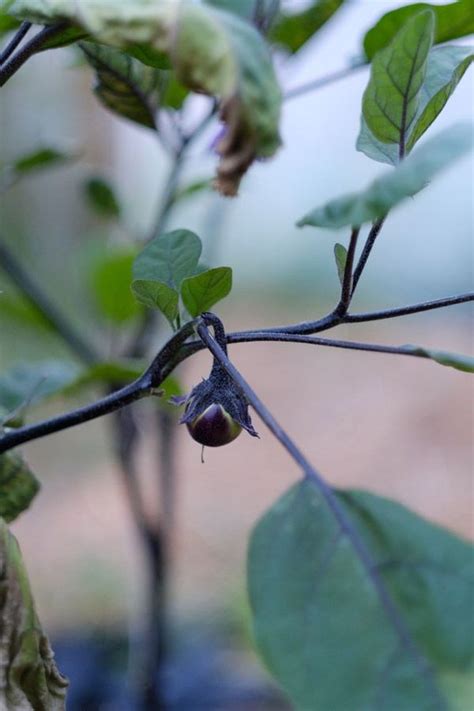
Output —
(357, 602)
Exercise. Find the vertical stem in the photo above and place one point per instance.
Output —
(372, 236)
(346, 290)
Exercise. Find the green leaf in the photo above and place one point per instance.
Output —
(169, 258)
(191, 189)
(40, 159)
(211, 51)
(157, 295)
(30, 677)
(293, 30)
(18, 486)
(101, 197)
(30, 383)
(453, 360)
(445, 68)
(391, 99)
(322, 623)
(149, 56)
(7, 23)
(124, 85)
(110, 281)
(174, 94)
(453, 20)
(201, 292)
(408, 178)
(69, 35)
(340, 255)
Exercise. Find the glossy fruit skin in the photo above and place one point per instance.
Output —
(214, 427)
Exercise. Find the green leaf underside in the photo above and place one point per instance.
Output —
(445, 68)
(453, 20)
(292, 31)
(124, 85)
(30, 383)
(29, 678)
(320, 622)
(340, 255)
(201, 292)
(453, 360)
(101, 197)
(390, 102)
(157, 295)
(18, 486)
(384, 193)
(211, 51)
(40, 159)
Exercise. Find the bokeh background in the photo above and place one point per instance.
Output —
(399, 427)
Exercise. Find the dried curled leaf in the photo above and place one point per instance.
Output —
(29, 677)
(18, 486)
(211, 51)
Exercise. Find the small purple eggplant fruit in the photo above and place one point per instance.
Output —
(214, 427)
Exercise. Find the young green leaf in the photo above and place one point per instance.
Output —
(101, 197)
(201, 292)
(124, 85)
(391, 99)
(157, 295)
(170, 258)
(30, 383)
(212, 51)
(452, 360)
(340, 255)
(320, 612)
(40, 159)
(29, 678)
(446, 66)
(18, 486)
(453, 20)
(7, 23)
(110, 281)
(408, 178)
(293, 30)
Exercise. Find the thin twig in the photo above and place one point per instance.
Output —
(346, 289)
(11, 66)
(46, 307)
(323, 81)
(407, 310)
(14, 42)
(372, 236)
(328, 495)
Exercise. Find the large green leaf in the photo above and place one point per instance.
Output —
(453, 20)
(293, 30)
(201, 292)
(211, 51)
(445, 68)
(321, 617)
(124, 85)
(384, 193)
(29, 383)
(170, 258)
(391, 99)
(157, 295)
(29, 677)
(18, 486)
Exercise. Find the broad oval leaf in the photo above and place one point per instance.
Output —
(170, 258)
(29, 677)
(320, 613)
(453, 20)
(201, 292)
(408, 178)
(212, 52)
(445, 68)
(157, 295)
(18, 486)
(391, 99)
(293, 30)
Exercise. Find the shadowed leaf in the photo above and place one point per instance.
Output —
(340, 255)
(18, 486)
(201, 292)
(293, 30)
(101, 197)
